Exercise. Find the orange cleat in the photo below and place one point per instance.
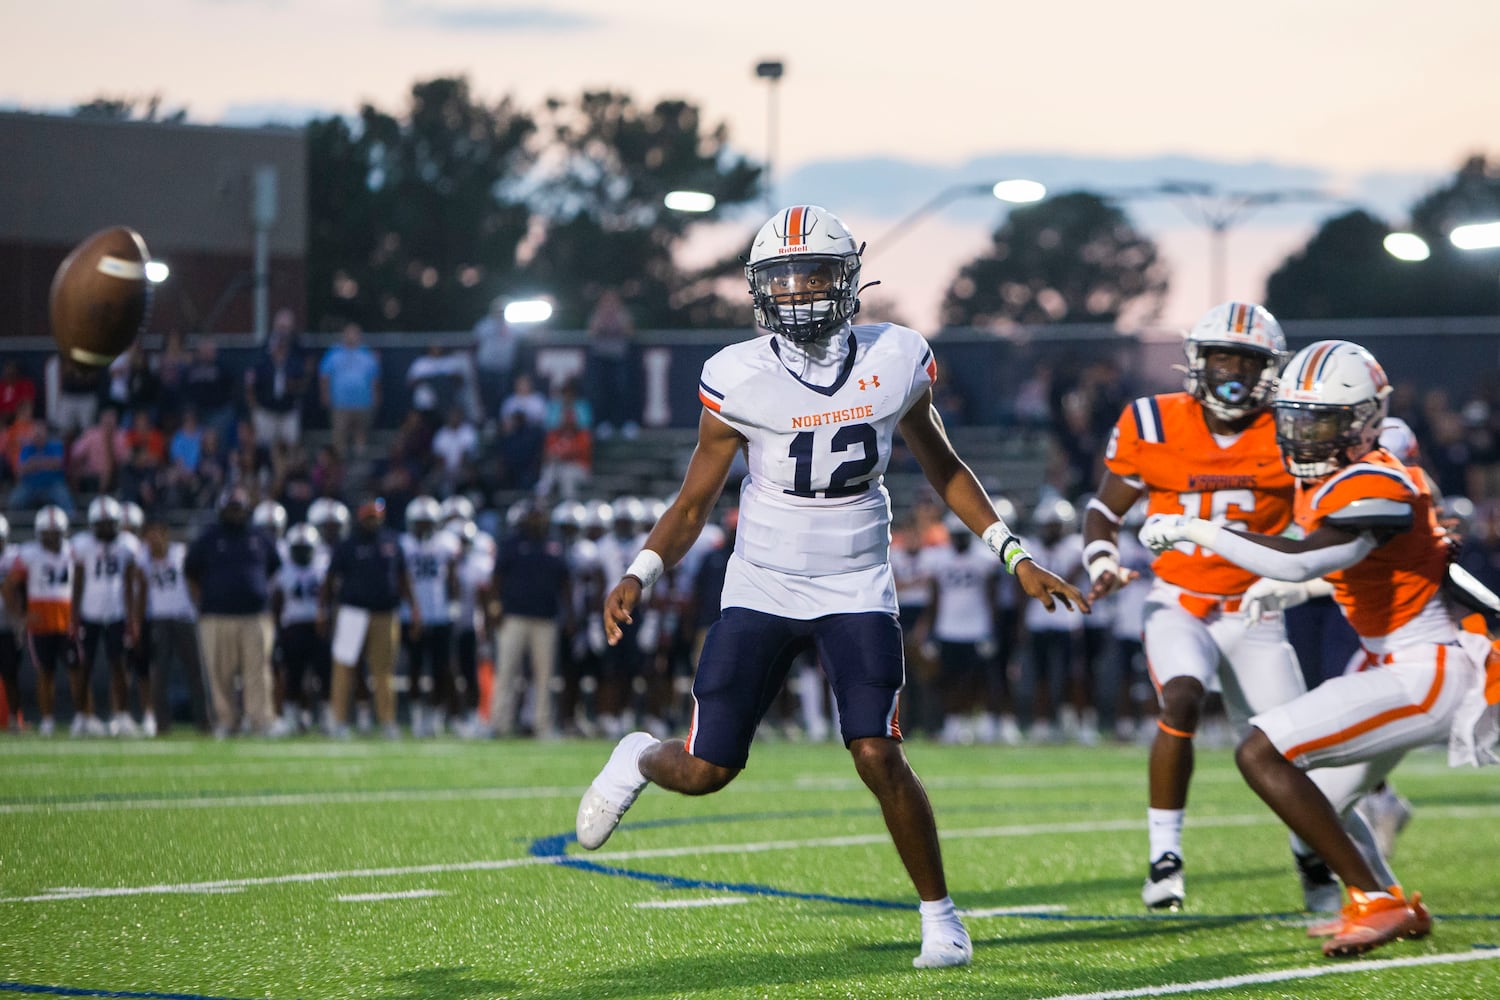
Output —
(1369, 923)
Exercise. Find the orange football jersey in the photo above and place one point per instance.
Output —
(1163, 444)
(1391, 585)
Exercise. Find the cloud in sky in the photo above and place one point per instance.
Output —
(477, 15)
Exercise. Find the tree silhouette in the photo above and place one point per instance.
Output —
(1074, 258)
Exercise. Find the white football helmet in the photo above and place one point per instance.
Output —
(597, 517)
(301, 541)
(269, 515)
(50, 519)
(457, 508)
(1055, 511)
(569, 515)
(105, 510)
(1006, 508)
(330, 517)
(4, 529)
(1329, 407)
(1234, 326)
(422, 516)
(135, 517)
(629, 514)
(803, 271)
(1397, 437)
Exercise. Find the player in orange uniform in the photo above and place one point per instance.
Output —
(41, 580)
(1209, 452)
(1367, 525)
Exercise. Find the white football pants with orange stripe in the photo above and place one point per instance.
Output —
(1250, 662)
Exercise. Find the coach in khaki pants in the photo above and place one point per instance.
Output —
(366, 582)
(229, 568)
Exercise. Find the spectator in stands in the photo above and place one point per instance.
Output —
(411, 450)
(611, 336)
(439, 379)
(349, 375)
(207, 387)
(229, 569)
(13, 436)
(519, 450)
(133, 385)
(140, 480)
(1032, 407)
(328, 472)
(15, 389)
(172, 363)
(212, 473)
(567, 459)
(525, 398)
(96, 454)
(274, 390)
(294, 488)
(144, 433)
(186, 446)
(41, 472)
(456, 444)
(497, 354)
(72, 395)
(568, 400)
(250, 463)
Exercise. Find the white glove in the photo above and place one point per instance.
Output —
(1162, 531)
(1267, 596)
(1104, 565)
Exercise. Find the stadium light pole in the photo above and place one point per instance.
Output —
(771, 71)
(1014, 191)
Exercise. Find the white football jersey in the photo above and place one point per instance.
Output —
(474, 570)
(963, 585)
(814, 531)
(104, 566)
(913, 581)
(167, 596)
(300, 587)
(49, 586)
(584, 575)
(428, 561)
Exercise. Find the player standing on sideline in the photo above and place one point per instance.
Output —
(1367, 525)
(295, 589)
(815, 406)
(432, 561)
(171, 629)
(41, 581)
(109, 596)
(10, 637)
(1209, 451)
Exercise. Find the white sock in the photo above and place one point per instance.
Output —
(938, 911)
(1165, 829)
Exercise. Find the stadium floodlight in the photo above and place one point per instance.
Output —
(157, 271)
(690, 201)
(528, 311)
(1476, 236)
(1406, 246)
(1019, 191)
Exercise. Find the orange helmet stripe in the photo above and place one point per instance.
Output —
(1312, 365)
(794, 226)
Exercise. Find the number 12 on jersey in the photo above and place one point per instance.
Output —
(844, 480)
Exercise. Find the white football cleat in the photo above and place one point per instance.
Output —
(613, 791)
(945, 946)
(1165, 888)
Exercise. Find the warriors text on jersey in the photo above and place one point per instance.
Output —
(1162, 444)
(48, 577)
(104, 566)
(1390, 588)
(814, 528)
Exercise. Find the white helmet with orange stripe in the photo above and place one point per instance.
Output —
(803, 271)
(1241, 327)
(1329, 407)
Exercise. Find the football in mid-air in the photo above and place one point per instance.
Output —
(100, 297)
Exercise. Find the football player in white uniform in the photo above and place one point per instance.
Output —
(294, 605)
(815, 406)
(432, 560)
(171, 631)
(10, 638)
(40, 579)
(109, 595)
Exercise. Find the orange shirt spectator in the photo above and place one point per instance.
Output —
(15, 389)
(17, 434)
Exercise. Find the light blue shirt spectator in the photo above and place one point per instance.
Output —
(351, 373)
(186, 447)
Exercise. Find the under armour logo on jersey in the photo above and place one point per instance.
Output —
(873, 382)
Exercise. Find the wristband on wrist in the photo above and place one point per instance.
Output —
(647, 568)
(1005, 545)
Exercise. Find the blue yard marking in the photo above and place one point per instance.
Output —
(70, 991)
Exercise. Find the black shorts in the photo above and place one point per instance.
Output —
(52, 650)
(111, 636)
(746, 656)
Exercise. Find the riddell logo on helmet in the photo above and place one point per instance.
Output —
(796, 249)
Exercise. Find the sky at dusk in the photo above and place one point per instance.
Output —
(883, 104)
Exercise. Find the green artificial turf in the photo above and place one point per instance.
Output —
(191, 868)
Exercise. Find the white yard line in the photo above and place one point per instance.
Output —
(686, 904)
(1286, 975)
(378, 897)
(701, 850)
(1015, 911)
